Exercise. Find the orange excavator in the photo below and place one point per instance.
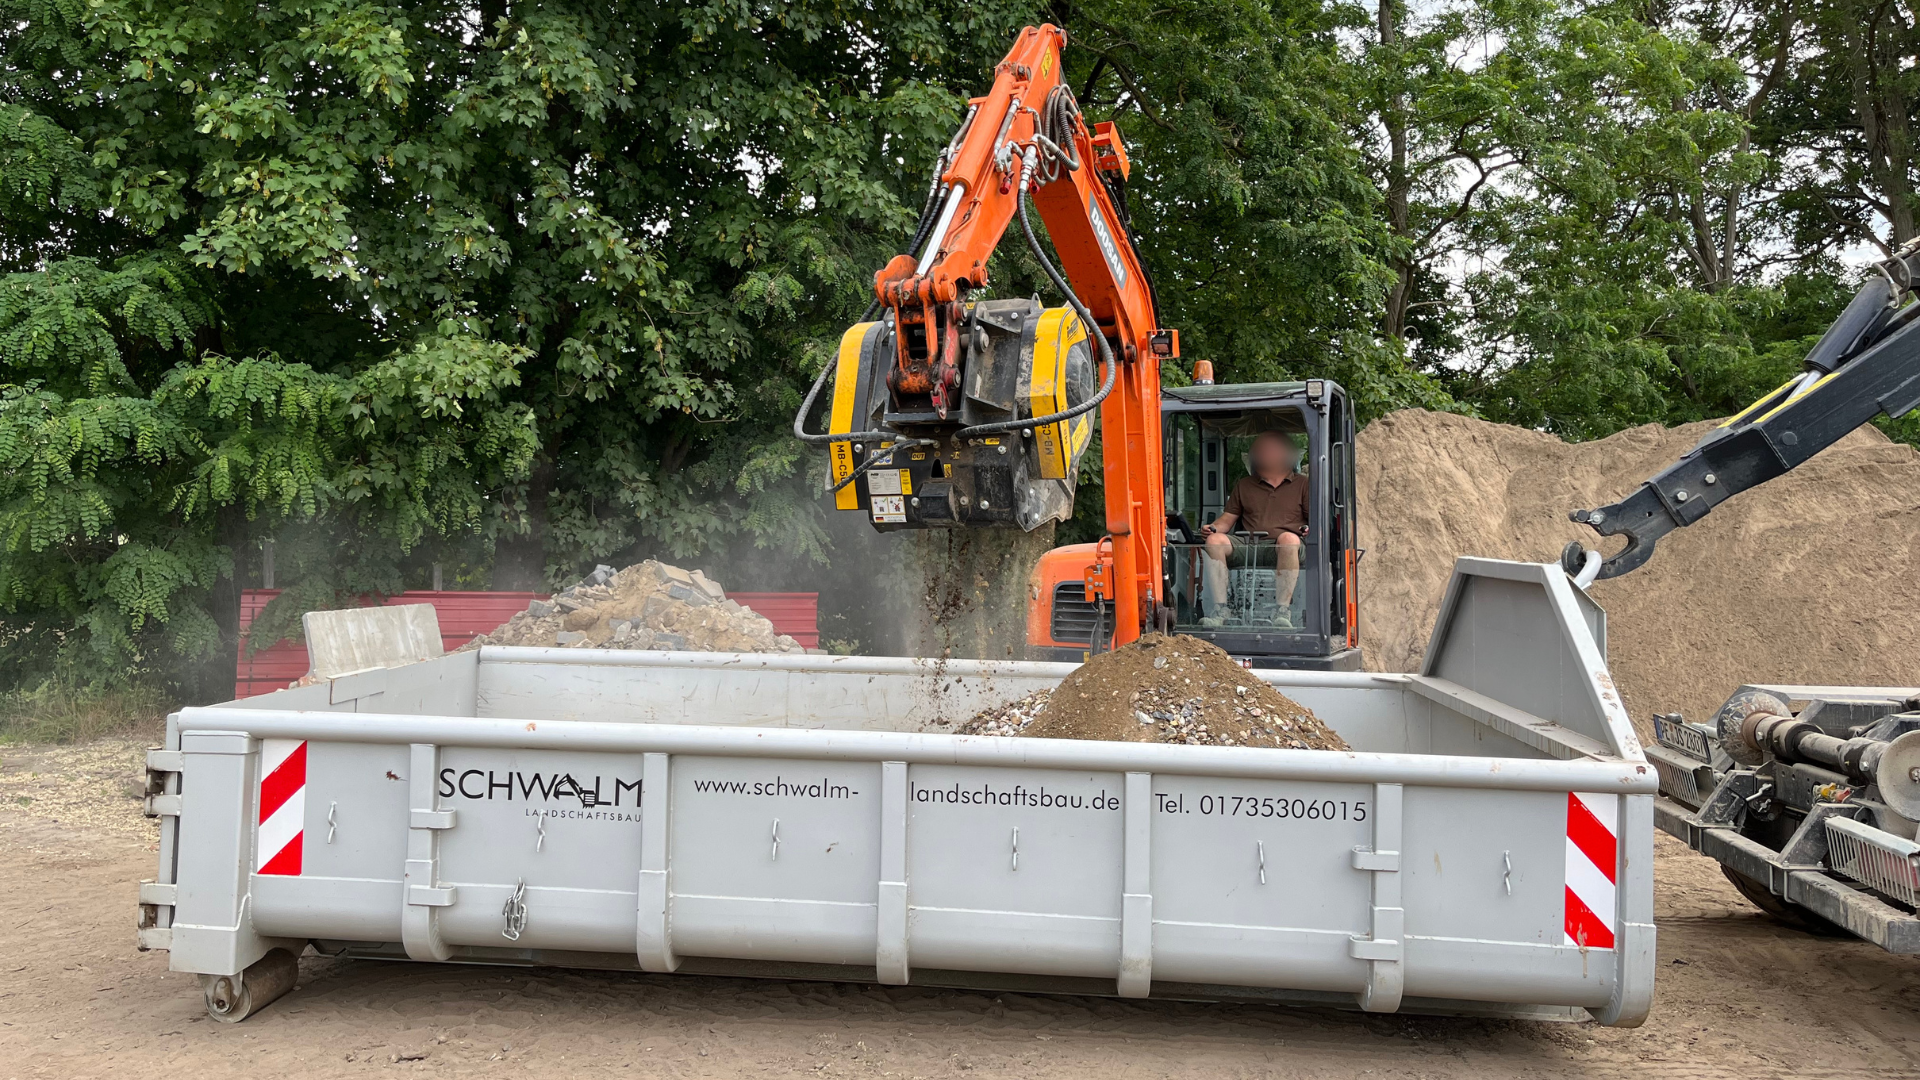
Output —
(953, 410)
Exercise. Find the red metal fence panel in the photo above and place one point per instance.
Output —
(795, 614)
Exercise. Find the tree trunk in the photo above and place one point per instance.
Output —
(214, 677)
(520, 559)
(1873, 56)
(1398, 180)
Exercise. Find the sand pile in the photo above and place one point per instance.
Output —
(1162, 689)
(648, 606)
(1811, 578)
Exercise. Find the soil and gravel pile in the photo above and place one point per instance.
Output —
(1007, 720)
(1812, 578)
(1162, 688)
(648, 606)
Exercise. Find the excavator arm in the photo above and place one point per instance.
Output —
(1867, 363)
(950, 411)
(1026, 135)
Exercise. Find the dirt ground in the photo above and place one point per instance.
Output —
(1737, 997)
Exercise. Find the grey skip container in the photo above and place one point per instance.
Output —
(1487, 848)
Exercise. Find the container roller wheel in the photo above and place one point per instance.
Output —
(233, 998)
(1778, 908)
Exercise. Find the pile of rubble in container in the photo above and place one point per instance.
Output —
(1161, 688)
(648, 606)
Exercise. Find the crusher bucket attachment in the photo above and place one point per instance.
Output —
(1018, 361)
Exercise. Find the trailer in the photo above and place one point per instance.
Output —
(1807, 797)
(1486, 848)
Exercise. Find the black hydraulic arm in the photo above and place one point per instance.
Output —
(1867, 363)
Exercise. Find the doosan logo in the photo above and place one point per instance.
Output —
(517, 786)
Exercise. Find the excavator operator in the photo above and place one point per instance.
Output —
(1270, 505)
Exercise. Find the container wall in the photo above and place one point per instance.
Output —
(536, 803)
(901, 852)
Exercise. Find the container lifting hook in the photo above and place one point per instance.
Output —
(514, 913)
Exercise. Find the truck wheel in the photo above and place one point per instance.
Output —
(1778, 909)
(233, 998)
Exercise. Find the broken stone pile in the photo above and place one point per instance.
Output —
(648, 606)
(1161, 688)
(1008, 720)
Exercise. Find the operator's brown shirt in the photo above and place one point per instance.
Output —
(1261, 507)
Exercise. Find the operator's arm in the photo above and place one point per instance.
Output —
(1867, 363)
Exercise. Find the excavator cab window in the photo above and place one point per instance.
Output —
(1269, 606)
(1207, 454)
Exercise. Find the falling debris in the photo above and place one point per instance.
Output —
(648, 606)
(1162, 688)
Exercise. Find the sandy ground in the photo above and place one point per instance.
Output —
(1737, 996)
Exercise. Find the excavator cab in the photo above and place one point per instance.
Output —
(1207, 434)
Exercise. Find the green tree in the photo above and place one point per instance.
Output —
(1612, 271)
(370, 277)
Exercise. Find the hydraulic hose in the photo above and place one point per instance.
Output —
(881, 459)
(1080, 309)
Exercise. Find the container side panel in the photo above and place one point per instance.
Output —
(775, 860)
(1485, 865)
(1382, 719)
(356, 812)
(587, 920)
(310, 906)
(1254, 884)
(1015, 869)
(442, 687)
(1015, 941)
(301, 698)
(747, 697)
(564, 823)
(1453, 734)
(1230, 955)
(353, 848)
(1476, 970)
(1507, 639)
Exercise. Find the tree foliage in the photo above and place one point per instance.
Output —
(520, 287)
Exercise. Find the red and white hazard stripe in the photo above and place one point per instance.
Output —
(283, 806)
(1593, 860)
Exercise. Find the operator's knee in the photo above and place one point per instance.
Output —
(1289, 551)
(1219, 546)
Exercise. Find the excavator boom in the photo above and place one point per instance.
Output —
(955, 411)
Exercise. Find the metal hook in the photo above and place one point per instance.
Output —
(776, 839)
(331, 824)
(1261, 847)
(1016, 847)
(514, 913)
(540, 821)
(1506, 857)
